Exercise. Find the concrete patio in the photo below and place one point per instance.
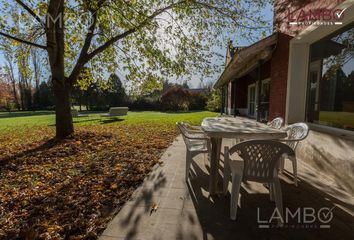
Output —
(166, 207)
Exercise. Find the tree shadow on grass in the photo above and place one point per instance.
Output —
(45, 146)
(84, 120)
(111, 120)
(81, 120)
(24, 114)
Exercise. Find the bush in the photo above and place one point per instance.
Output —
(197, 101)
(214, 103)
(176, 98)
(144, 103)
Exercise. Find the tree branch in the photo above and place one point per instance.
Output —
(132, 30)
(87, 43)
(30, 11)
(22, 40)
(227, 13)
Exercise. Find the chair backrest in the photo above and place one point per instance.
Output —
(296, 133)
(276, 123)
(261, 158)
(182, 129)
(192, 128)
(189, 134)
(185, 134)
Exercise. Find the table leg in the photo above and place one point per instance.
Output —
(214, 164)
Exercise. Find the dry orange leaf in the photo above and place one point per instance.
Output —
(154, 207)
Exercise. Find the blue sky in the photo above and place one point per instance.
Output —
(195, 81)
(238, 41)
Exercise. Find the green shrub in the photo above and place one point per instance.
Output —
(214, 102)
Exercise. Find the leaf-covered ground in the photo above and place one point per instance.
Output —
(70, 189)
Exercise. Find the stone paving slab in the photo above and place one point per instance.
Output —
(186, 211)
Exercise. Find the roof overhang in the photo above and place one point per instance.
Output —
(247, 59)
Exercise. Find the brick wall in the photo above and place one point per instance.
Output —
(279, 75)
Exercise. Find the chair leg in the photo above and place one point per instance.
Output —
(282, 163)
(294, 162)
(278, 199)
(188, 163)
(271, 192)
(236, 184)
(227, 173)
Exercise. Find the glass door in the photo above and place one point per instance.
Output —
(314, 92)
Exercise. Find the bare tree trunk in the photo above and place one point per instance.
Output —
(10, 72)
(63, 119)
(22, 94)
(80, 97)
(61, 85)
(14, 90)
(37, 73)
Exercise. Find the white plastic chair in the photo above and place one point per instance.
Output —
(260, 164)
(276, 123)
(196, 142)
(296, 133)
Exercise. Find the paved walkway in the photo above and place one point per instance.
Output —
(185, 211)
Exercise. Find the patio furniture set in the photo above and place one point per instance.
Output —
(258, 155)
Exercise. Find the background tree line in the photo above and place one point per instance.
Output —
(30, 91)
(19, 93)
(22, 78)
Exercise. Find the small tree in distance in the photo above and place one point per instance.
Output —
(214, 102)
(115, 94)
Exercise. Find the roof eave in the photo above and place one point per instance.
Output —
(261, 50)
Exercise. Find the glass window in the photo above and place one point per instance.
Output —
(264, 104)
(330, 98)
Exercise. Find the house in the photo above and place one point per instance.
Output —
(303, 72)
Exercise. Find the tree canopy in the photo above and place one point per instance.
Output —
(145, 40)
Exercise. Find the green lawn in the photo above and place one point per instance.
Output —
(71, 188)
(9, 121)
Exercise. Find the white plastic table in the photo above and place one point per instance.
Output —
(218, 128)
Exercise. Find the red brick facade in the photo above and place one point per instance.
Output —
(279, 75)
